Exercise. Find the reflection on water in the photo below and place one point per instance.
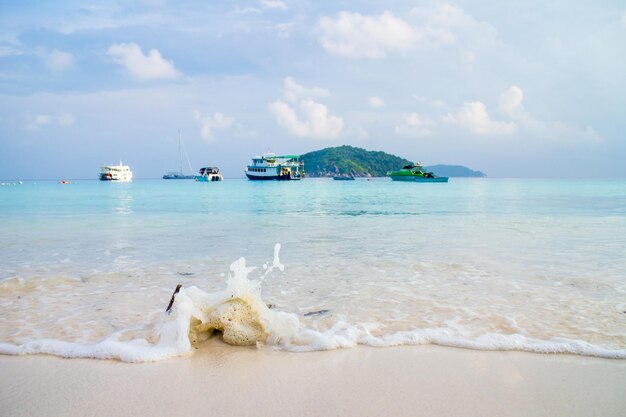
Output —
(122, 196)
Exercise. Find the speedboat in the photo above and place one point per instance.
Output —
(415, 173)
(209, 174)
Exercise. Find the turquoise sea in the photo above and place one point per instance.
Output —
(87, 269)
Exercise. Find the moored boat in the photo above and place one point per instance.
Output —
(118, 173)
(344, 177)
(209, 174)
(270, 166)
(415, 173)
(178, 175)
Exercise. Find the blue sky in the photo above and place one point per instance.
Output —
(515, 89)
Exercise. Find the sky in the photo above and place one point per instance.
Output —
(513, 89)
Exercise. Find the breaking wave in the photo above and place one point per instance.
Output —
(243, 318)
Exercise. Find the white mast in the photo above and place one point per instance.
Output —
(180, 155)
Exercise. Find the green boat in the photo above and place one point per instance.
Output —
(415, 173)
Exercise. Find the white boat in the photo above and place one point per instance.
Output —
(270, 166)
(209, 174)
(119, 173)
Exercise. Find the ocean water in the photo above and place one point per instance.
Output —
(87, 269)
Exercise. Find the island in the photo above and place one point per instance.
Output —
(360, 162)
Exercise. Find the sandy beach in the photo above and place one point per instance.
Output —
(223, 380)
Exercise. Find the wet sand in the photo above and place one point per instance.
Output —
(221, 380)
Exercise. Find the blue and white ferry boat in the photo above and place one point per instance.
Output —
(270, 166)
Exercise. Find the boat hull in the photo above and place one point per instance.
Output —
(211, 178)
(411, 178)
(438, 179)
(271, 177)
(112, 179)
(178, 177)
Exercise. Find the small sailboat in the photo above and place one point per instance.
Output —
(179, 174)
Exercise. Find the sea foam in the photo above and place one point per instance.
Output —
(243, 318)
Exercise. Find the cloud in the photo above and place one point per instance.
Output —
(40, 120)
(10, 45)
(376, 102)
(282, 30)
(511, 101)
(355, 35)
(293, 91)
(415, 125)
(210, 123)
(274, 4)
(143, 67)
(446, 23)
(301, 115)
(474, 117)
(512, 104)
(438, 104)
(57, 60)
(317, 121)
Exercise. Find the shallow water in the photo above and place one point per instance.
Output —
(536, 265)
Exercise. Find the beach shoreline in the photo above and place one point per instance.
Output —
(223, 380)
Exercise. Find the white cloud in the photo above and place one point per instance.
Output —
(433, 24)
(210, 123)
(447, 23)
(282, 30)
(294, 91)
(40, 120)
(415, 125)
(357, 36)
(58, 60)
(511, 101)
(376, 102)
(316, 121)
(511, 104)
(624, 19)
(43, 119)
(274, 4)
(474, 117)
(9, 45)
(301, 115)
(143, 67)
(438, 104)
